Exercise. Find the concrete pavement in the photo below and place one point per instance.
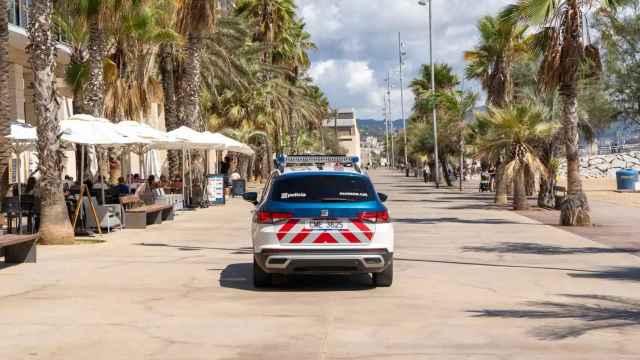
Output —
(471, 283)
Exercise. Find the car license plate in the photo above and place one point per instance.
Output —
(324, 225)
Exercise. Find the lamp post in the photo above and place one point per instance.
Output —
(391, 127)
(433, 91)
(402, 53)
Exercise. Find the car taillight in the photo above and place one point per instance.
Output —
(266, 217)
(374, 216)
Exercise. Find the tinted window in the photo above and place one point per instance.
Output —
(326, 188)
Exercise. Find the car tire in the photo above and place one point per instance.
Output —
(260, 277)
(384, 278)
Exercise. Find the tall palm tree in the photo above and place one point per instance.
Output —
(195, 19)
(514, 130)
(270, 18)
(96, 14)
(5, 121)
(55, 227)
(501, 45)
(561, 43)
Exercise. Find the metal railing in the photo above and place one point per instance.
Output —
(617, 149)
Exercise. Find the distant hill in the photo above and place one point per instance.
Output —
(375, 127)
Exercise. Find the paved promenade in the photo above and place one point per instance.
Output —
(471, 283)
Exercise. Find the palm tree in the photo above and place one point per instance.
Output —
(5, 121)
(96, 13)
(561, 43)
(195, 19)
(270, 19)
(55, 227)
(514, 130)
(502, 44)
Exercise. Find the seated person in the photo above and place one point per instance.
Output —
(151, 183)
(164, 182)
(235, 176)
(32, 187)
(122, 187)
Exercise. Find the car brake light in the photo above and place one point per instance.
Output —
(266, 217)
(374, 216)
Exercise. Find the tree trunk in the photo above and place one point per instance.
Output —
(520, 201)
(444, 170)
(55, 227)
(501, 186)
(546, 196)
(189, 111)
(170, 108)
(94, 88)
(5, 117)
(575, 210)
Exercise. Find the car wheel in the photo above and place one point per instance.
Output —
(260, 277)
(385, 278)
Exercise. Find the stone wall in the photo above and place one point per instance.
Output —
(599, 166)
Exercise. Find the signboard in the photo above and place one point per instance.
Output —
(215, 190)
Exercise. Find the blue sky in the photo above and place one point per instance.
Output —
(358, 43)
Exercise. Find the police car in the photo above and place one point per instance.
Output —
(320, 215)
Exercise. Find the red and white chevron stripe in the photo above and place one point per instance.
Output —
(295, 232)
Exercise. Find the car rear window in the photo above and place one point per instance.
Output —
(323, 188)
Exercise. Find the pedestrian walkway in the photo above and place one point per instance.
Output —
(471, 282)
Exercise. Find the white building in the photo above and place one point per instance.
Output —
(21, 96)
(346, 127)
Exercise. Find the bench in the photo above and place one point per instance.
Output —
(18, 248)
(138, 216)
(559, 193)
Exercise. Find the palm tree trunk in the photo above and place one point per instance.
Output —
(546, 197)
(55, 227)
(170, 107)
(520, 201)
(501, 186)
(575, 210)
(189, 112)
(445, 170)
(5, 120)
(94, 88)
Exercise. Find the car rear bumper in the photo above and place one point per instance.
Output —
(324, 261)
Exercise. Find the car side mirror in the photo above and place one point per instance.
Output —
(382, 197)
(251, 197)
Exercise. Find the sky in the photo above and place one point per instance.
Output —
(357, 44)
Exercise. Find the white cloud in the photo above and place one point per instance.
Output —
(357, 41)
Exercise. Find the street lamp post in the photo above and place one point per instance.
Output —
(433, 90)
(391, 131)
(404, 121)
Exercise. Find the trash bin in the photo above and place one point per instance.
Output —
(238, 187)
(627, 179)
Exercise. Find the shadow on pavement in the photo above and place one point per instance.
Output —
(242, 250)
(6, 265)
(456, 220)
(618, 273)
(593, 312)
(539, 249)
(470, 263)
(240, 276)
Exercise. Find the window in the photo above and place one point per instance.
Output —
(323, 188)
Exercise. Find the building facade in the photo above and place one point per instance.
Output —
(21, 95)
(345, 125)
